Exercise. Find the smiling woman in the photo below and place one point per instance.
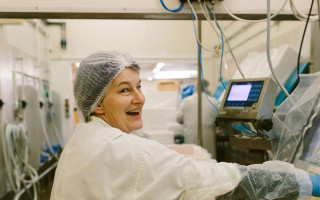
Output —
(103, 161)
(122, 106)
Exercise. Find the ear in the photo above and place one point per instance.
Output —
(99, 110)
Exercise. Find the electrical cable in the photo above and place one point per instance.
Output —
(228, 45)
(301, 44)
(206, 14)
(174, 11)
(211, 25)
(208, 18)
(199, 52)
(268, 50)
(300, 15)
(222, 48)
(194, 14)
(252, 21)
(225, 38)
(249, 129)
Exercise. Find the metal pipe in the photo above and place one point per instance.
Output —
(199, 90)
(63, 41)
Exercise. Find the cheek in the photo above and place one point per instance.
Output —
(123, 104)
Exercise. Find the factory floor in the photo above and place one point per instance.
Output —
(44, 187)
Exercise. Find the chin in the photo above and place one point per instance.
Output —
(138, 126)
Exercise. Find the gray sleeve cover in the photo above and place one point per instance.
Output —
(271, 180)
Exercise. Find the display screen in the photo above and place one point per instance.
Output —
(243, 94)
(239, 92)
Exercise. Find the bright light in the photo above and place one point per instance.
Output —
(77, 64)
(158, 67)
(175, 74)
(149, 78)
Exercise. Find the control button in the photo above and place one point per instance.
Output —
(223, 112)
(254, 106)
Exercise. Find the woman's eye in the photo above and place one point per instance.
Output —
(125, 90)
(139, 87)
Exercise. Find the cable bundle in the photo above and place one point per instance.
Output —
(16, 150)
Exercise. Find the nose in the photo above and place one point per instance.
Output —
(138, 97)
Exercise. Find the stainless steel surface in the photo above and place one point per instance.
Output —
(56, 14)
(199, 91)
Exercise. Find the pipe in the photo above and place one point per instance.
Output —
(63, 41)
(199, 91)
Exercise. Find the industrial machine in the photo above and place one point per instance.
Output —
(249, 100)
(246, 112)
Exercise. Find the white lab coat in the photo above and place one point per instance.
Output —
(103, 163)
(188, 116)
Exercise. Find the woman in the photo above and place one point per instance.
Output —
(103, 160)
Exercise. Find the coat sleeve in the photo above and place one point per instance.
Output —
(165, 174)
(184, 178)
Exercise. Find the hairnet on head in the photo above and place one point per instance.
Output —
(94, 76)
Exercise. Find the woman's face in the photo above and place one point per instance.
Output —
(122, 105)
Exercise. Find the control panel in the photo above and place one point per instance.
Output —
(248, 99)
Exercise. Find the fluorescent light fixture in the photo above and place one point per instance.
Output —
(175, 74)
(158, 67)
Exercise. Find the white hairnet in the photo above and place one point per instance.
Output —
(94, 77)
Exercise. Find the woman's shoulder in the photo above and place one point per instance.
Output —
(96, 131)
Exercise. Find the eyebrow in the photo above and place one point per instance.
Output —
(127, 83)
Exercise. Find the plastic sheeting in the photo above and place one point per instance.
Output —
(296, 121)
(271, 180)
(256, 64)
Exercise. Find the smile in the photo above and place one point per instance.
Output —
(133, 112)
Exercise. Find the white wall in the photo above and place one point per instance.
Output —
(145, 40)
(61, 79)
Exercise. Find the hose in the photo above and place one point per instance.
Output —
(16, 151)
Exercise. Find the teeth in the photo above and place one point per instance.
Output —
(133, 111)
